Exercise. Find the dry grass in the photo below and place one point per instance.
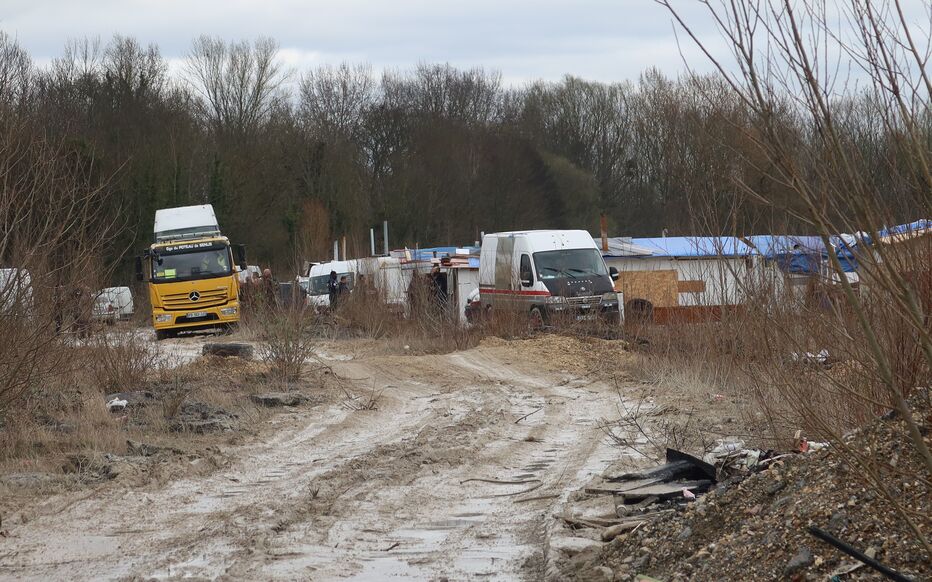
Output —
(72, 418)
(121, 361)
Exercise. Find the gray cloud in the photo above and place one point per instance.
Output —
(608, 40)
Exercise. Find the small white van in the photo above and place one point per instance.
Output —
(543, 273)
(113, 304)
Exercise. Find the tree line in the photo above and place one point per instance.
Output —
(292, 160)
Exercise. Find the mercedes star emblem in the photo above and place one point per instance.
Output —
(194, 296)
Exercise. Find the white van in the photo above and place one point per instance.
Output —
(543, 273)
(318, 275)
(113, 304)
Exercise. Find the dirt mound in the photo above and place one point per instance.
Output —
(558, 352)
(756, 529)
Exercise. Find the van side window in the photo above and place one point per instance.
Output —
(526, 273)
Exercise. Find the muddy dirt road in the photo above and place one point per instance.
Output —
(425, 487)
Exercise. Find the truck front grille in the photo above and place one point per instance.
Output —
(212, 298)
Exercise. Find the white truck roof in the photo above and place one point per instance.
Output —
(185, 222)
(544, 240)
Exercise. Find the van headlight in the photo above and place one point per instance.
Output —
(163, 318)
(610, 297)
(227, 311)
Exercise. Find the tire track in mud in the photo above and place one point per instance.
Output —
(403, 511)
(356, 495)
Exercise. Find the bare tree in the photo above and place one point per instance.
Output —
(133, 72)
(15, 72)
(239, 82)
(335, 100)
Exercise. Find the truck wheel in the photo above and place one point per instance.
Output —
(536, 319)
(162, 334)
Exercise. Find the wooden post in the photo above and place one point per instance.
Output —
(603, 223)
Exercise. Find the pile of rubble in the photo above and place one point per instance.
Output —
(746, 514)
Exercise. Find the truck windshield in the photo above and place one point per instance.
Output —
(201, 264)
(572, 263)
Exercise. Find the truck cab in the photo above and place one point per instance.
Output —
(192, 272)
(547, 273)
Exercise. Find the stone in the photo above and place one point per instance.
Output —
(200, 418)
(274, 399)
(803, 559)
(607, 574)
(782, 503)
(228, 350)
(149, 450)
(771, 538)
(837, 523)
(571, 545)
(775, 487)
(641, 563)
(26, 480)
(86, 463)
(685, 533)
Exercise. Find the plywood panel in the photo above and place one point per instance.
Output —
(659, 287)
(690, 286)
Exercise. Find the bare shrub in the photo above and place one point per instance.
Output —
(810, 138)
(55, 222)
(120, 362)
(285, 339)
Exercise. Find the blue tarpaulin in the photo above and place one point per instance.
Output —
(694, 246)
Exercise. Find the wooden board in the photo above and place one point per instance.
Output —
(597, 487)
(662, 490)
(659, 287)
(690, 286)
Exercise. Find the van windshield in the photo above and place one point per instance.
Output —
(318, 285)
(201, 264)
(571, 263)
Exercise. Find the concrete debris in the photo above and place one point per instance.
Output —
(802, 559)
(274, 399)
(116, 405)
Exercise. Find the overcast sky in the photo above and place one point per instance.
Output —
(605, 40)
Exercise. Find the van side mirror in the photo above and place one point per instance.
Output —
(526, 280)
(613, 273)
(139, 274)
(239, 256)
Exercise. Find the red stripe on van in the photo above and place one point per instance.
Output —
(510, 292)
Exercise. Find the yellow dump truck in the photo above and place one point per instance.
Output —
(191, 270)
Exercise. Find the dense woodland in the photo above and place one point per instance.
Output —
(293, 159)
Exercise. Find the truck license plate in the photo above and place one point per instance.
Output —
(196, 314)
